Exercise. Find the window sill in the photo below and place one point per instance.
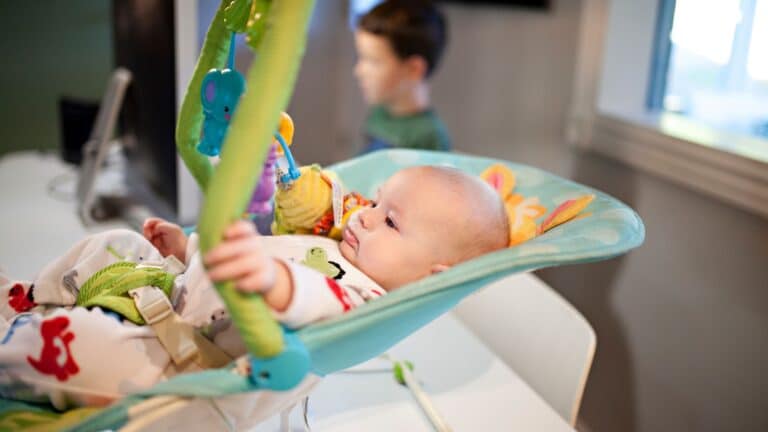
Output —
(735, 171)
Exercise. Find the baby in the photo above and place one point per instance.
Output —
(424, 220)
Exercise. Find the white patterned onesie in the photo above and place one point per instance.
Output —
(52, 351)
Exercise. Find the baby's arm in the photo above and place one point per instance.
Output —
(240, 258)
(298, 294)
(317, 297)
(167, 237)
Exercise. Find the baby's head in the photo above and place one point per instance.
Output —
(425, 219)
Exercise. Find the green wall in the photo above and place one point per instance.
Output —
(49, 49)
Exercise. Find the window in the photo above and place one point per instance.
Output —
(678, 89)
(717, 65)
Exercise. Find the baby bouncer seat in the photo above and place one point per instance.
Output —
(280, 359)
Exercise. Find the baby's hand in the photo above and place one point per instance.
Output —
(239, 258)
(168, 238)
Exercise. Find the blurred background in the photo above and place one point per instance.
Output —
(678, 321)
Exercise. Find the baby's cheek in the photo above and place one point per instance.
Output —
(378, 267)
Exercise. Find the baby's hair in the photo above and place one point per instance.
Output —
(412, 27)
(486, 228)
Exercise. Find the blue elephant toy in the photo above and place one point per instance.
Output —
(221, 91)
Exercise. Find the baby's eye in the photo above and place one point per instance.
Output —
(374, 204)
(390, 223)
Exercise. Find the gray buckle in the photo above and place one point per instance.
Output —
(152, 304)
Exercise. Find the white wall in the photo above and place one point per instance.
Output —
(506, 81)
(627, 55)
(505, 99)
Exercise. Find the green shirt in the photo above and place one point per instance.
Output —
(422, 130)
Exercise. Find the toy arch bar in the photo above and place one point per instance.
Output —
(283, 28)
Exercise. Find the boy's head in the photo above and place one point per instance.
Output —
(424, 220)
(399, 44)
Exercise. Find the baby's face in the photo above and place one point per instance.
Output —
(400, 238)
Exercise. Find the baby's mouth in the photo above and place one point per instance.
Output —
(349, 237)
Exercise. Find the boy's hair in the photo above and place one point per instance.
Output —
(412, 27)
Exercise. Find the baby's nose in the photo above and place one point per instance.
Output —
(366, 218)
(363, 218)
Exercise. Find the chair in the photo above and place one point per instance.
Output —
(541, 336)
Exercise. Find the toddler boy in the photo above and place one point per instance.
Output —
(399, 44)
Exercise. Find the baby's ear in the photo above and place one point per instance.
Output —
(438, 268)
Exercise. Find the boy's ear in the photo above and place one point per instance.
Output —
(417, 67)
(438, 268)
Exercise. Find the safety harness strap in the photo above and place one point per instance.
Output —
(182, 341)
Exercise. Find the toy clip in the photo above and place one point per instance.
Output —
(293, 172)
(285, 370)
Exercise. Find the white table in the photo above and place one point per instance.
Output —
(38, 215)
(469, 386)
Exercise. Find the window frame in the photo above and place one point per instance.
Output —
(641, 143)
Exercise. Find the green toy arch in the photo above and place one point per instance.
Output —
(269, 84)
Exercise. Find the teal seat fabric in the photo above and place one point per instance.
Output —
(611, 229)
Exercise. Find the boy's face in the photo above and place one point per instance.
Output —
(382, 75)
(401, 237)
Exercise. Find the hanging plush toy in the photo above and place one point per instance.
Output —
(301, 203)
(220, 93)
(314, 203)
(261, 201)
